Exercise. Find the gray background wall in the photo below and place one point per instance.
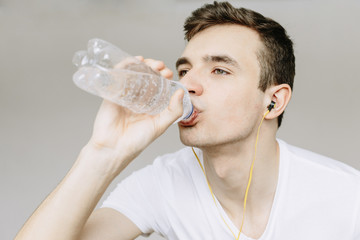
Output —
(45, 119)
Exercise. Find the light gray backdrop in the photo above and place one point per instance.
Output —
(45, 119)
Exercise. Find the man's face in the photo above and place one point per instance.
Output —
(220, 69)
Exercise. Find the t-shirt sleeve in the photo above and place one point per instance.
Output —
(138, 197)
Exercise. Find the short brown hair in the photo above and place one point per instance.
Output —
(276, 58)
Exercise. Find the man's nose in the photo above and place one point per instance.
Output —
(192, 82)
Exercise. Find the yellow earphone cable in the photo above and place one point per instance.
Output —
(212, 194)
(248, 185)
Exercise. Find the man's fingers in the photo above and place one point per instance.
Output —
(167, 73)
(155, 64)
(141, 58)
(173, 112)
(125, 63)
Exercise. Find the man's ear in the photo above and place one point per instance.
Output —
(281, 95)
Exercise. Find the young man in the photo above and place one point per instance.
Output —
(236, 64)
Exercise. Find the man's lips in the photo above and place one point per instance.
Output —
(191, 120)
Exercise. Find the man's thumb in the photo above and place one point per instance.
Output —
(174, 111)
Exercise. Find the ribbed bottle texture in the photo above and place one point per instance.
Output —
(107, 71)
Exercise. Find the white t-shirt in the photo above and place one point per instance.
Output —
(317, 198)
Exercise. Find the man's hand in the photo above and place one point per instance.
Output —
(119, 135)
(122, 134)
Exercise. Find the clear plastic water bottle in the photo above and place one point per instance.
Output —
(108, 72)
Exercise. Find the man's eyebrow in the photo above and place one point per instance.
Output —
(221, 58)
(210, 58)
(180, 61)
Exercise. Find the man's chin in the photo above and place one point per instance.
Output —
(187, 138)
(192, 137)
(191, 140)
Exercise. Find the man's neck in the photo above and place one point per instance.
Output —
(228, 167)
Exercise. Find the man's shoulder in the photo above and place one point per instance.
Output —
(319, 188)
(319, 166)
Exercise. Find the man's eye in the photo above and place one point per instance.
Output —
(220, 71)
(182, 73)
